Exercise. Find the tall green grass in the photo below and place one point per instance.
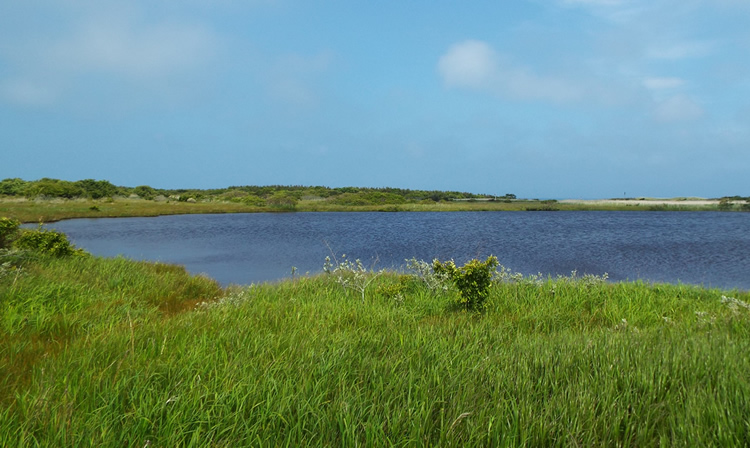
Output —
(110, 352)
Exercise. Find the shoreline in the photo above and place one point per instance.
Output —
(52, 210)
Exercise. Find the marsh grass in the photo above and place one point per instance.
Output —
(90, 357)
(34, 211)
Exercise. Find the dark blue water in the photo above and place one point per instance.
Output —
(712, 249)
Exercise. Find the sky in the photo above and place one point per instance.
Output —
(539, 98)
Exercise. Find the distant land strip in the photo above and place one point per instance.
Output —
(48, 199)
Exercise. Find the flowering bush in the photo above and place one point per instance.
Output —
(426, 274)
(351, 275)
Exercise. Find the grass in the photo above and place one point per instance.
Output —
(113, 352)
(34, 211)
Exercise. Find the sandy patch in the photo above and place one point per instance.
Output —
(648, 202)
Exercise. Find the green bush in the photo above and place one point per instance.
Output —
(49, 242)
(725, 204)
(12, 186)
(282, 200)
(53, 188)
(8, 229)
(254, 200)
(473, 280)
(367, 198)
(96, 189)
(145, 192)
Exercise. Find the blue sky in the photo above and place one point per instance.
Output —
(541, 98)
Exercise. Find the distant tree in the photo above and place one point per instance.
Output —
(12, 186)
(96, 189)
(54, 188)
(145, 192)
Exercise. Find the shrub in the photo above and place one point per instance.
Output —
(53, 188)
(8, 229)
(351, 275)
(254, 200)
(725, 204)
(96, 189)
(395, 292)
(427, 275)
(49, 242)
(145, 192)
(473, 280)
(12, 186)
(282, 200)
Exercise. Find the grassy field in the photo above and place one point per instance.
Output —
(113, 352)
(31, 211)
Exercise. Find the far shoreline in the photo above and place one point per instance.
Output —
(56, 209)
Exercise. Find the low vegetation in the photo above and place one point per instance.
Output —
(114, 352)
(48, 200)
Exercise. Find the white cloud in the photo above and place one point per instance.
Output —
(121, 47)
(677, 108)
(663, 83)
(475, 65)
(100, 47)
(470, 64)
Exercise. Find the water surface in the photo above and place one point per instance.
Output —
(709, 248)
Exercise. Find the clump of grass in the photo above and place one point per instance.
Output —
(567, 361)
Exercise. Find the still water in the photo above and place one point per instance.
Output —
(712, 249)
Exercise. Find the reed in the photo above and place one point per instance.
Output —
(113, 352)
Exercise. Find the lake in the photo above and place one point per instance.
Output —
(707, 248)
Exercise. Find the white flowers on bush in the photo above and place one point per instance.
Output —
(426, 273)
(351, 275)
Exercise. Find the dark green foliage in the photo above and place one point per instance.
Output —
(46, 241)
(276, 196)
(145, 192)
(725, 204)
(96, 189)
(8, 230)
(368, 198)
(473, 280)
(53, 188)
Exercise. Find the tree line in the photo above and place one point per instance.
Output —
(272, 195)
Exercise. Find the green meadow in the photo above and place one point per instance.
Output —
(115, 352)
